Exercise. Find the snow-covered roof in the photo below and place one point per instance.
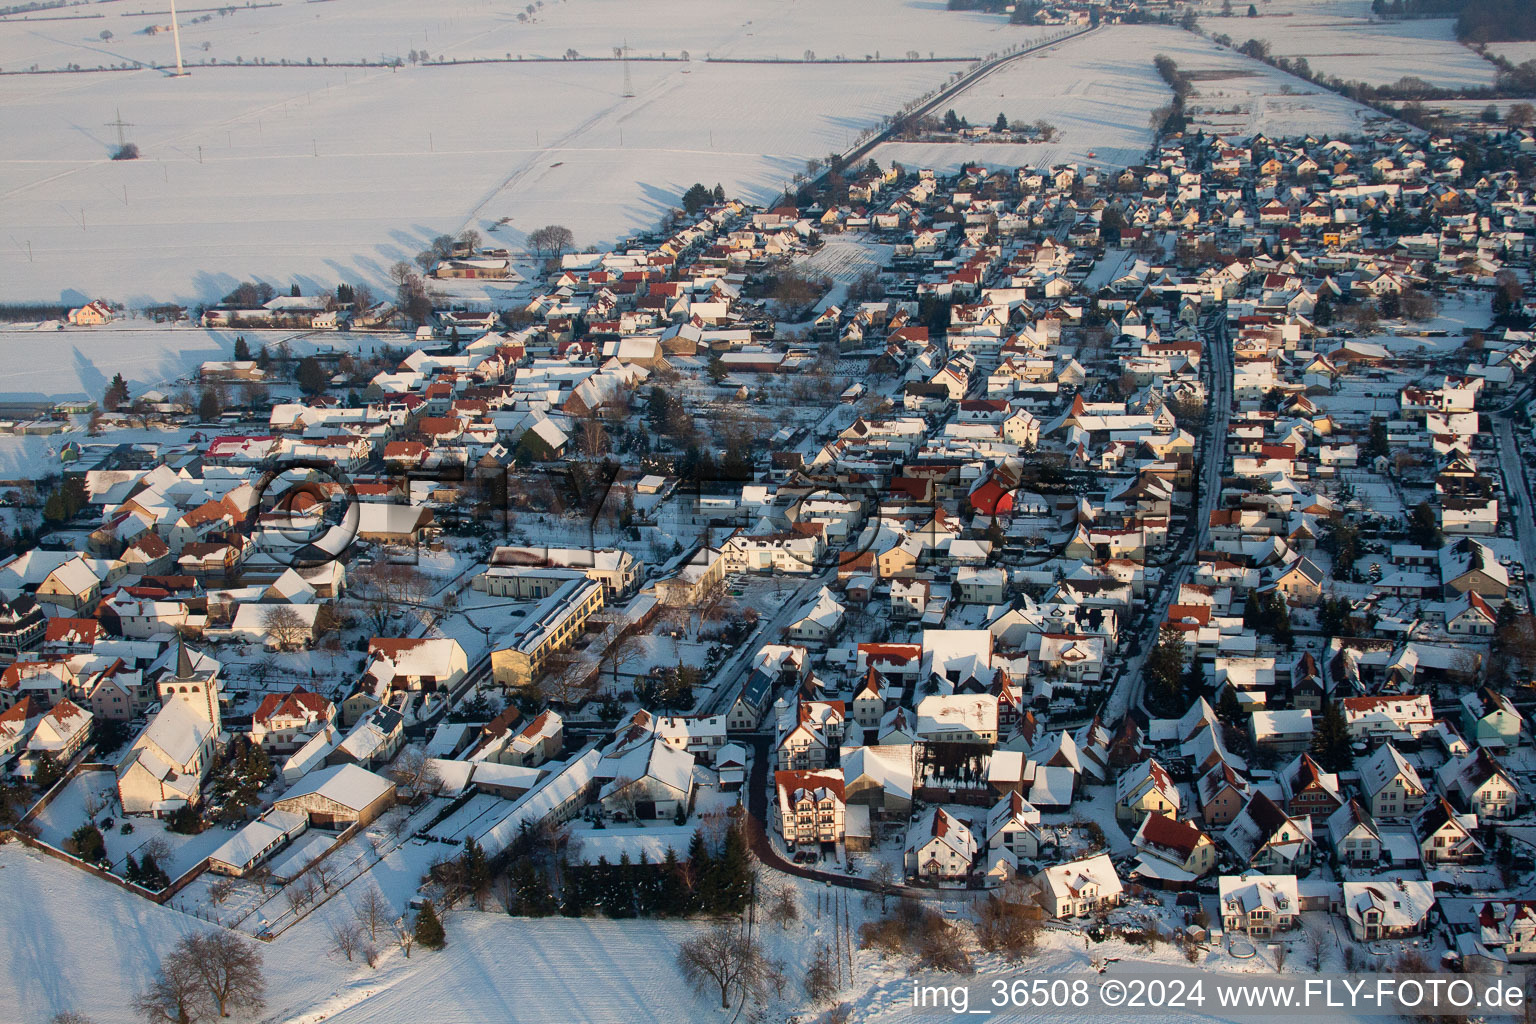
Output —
(350, 785)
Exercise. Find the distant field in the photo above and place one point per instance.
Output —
(1340, 38)
(1100, 92)
(317, 174)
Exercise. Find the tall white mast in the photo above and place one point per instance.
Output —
(176, 34)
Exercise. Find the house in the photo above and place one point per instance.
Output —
(373, 741)
(1388, 909)
(1391, 785)
(92, 314)
(392, 524)
(1353, 835)
(1265, 838)
(1509, 925)
(940, 847)
(868, 704)
(958, 718)
(1490, 719)
(818, 621)
(1173, 853)
(539, 741)
(1445, 837)
(880, 778)
(1013, 828)
(256, 842)
(811, 807)
(1080, 887)
(1309, 790)
(1480, 785)
(283, 723)
(1222, 793)
(1399, 717)
(1143, 790)
(645, 780)
(1258, 905)
(60, 732)
(1284, 732)
(338, 797)
(425, 664)
(1301, 582)
(808, 733)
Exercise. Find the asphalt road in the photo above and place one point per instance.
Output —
(1130, 688)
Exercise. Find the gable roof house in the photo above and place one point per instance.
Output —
(1353, 836)
(59, 733)
(1079, 887)
(1391, 784)
(1446, 837)
(1388, 909)
(1309, 790)
(1480, 785)
(1265, 838)
(1490, 719)
(1145, 789)
(940, 847)
(1172, 853)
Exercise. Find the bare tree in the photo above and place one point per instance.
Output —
(323, 873)
(624, 649)
(779, 902)
(415, 772)
(299, 893)
(551, 241)
(285, 627)
(373, 912)
(885, 877)
(70, 1017)
(820, 982)
(158, 848)
(1314, 945)
(722, 959)
(594, 435)
(346, 937)
(228, 966)
(221, 890)
(384, 588)
(177, 995)
(405, 934)
(1281, 951)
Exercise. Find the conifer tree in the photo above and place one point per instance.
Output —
(429, 929)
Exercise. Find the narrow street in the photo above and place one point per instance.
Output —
(1130, 687)
(1517, 491)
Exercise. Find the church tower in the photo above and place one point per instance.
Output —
(194, 680)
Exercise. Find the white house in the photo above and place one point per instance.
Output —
(1079, 887)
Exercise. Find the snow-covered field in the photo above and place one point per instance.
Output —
(460, 30)
(1340, 38)
(98, 945)
(1100, 92)
(320, 174)
(1515, 53)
